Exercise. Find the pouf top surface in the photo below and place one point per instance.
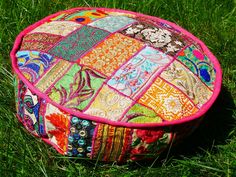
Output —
(117, 67)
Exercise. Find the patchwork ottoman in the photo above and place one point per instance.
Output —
(112, 85)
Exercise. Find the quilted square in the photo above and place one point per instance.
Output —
(77, 87)
(137, 73)
(167, 101)
(39, 41)
(187, 82)
(166, 41)
(84, 16)
(57, 127)
(33, 64)
(80, 137)
(199, 64)
(52, 75)
(112, 23)
(78, 43)
(62, 28)
(111, 53)
(108, 104)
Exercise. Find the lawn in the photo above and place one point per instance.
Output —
(210, 151)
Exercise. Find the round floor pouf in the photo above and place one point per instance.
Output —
(112, 85)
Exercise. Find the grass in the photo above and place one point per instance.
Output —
(210, 151)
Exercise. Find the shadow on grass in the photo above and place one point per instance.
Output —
(215, 129)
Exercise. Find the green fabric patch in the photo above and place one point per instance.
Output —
(142, 114)
(77, 87)
(78, 43)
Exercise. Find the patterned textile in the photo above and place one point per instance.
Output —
(33, 64)
(108, 104)
(39, 41)
(111, 143)
(187, 82)
(112, 23)
(77, 87)
(111, 85)
(167, 101)
(162, 39)
(83, 17)
(80, 137)
(77, 43)
(132, 77)
(111, 54)
(199, 64)
(148, 143)
(62, 28)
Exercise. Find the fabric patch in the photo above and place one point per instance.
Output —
(56, 71)
(57, 126)
(112, 23)
(80, 137)
(111, 53)
(120, 14)
(62, 28)
(167, 101)
(33, 64)
(85, 17)
(141, 114)
(187, 82)
(42, 37)
(111, 143)
(21, 95)
(31, 111)
(108, 104)
(78, 43)
(169, 43)
(148, 143)
(133, 77)
(77, 87)
(199, 64)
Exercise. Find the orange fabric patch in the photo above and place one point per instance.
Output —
(111, 53)
(167, 101)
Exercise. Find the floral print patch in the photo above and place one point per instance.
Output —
(132, 77)
(162, 39)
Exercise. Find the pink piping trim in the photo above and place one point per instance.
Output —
(102, 120)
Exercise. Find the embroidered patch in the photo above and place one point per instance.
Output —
(78, 43)
(111, 143)
(148, 143)
(199, 64)
(169, 43)
(167, 101)
(80, 137)
(57, 126)
(21, 94)
(141, 114)
(56, 72)
(135, 75)
(62, 28)
(111, 53)
(187, 82)
(112, 23)
(84, 17)
(77, 87)
(39, 41)
(34, 64)
(31, 111)
(108, 104)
